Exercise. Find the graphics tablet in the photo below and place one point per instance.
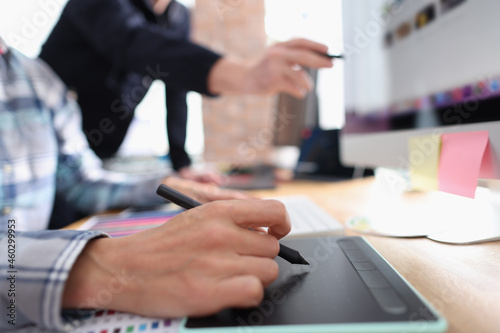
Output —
(348, 287)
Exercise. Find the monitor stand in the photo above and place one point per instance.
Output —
(439, 216)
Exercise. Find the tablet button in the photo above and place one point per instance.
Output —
(356, 256)
(364, 266)
(389, 300)
(347, 244)
(373, 279)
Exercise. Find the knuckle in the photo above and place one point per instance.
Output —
(197, 290)
(231, 208)
(275, 53)
(217, 208)
(254, 291)
(270, 245)
(279, 208)
(272, 270)
(218, 235)
(274, 247)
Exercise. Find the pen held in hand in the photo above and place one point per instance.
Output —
(168, 193)
(333, 56)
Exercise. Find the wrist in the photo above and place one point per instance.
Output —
(88, 276)
(229, 76)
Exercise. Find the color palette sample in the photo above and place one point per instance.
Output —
(118, 322)
(130, 223)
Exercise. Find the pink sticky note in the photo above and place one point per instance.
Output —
(460, 162)
(488, 167)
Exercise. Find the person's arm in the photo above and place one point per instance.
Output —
(80, 176)
(121, 34)
(32, 288)
(279, 70)
(201, 261)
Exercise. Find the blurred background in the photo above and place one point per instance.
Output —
(244, 129)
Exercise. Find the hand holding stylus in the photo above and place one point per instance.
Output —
(290, 255)
(200, 262)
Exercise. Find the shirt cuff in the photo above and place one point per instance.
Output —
(43, 262)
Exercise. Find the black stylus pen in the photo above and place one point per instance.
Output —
(332, 56)
(168, 193)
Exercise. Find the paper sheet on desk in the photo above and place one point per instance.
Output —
(389, 213)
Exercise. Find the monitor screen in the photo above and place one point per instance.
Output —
(417, 67)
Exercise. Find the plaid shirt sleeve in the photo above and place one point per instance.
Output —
(82, 179)
(32, 281)
(80, 175)
(43, 150)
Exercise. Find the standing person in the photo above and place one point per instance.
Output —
(109, 85)
(109, 52)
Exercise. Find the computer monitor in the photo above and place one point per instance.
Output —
(420, 67)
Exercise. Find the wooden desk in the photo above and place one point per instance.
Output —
(461, 282)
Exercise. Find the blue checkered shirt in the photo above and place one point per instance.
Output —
(43, 150)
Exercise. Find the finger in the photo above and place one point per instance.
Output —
(260, 230)
(305, 44)
(265, 269)
(259, 213)
(205, 193)
(307, 58)
(211, 178)
(189, 187)
(286, 86)
(285, 82)
(224, 194)
(299, 79)
(238, 291)
(225, 235)
(253, 243)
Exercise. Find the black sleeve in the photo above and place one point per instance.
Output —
(121, 33)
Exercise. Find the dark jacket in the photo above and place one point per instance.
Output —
(109, 52)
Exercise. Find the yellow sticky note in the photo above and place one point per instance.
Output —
(424, 161)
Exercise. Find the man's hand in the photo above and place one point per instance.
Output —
(203, 192)
(280, 70)
(200, 262)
